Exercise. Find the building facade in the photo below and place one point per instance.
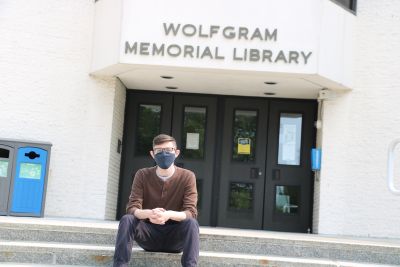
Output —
(248, 89)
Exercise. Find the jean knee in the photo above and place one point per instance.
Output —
(127, 219)
(192, 223)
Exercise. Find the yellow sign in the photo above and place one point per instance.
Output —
(244, 146)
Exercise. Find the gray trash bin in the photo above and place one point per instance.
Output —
(24, 169)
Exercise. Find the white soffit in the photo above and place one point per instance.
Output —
(221, 82)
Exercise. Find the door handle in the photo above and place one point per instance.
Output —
(255, 173)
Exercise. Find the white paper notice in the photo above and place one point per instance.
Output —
(289, 142)
(192, 141)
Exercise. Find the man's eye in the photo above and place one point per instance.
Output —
(167, 149)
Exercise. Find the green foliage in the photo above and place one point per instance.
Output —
(241, 196)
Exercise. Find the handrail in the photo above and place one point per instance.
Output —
(390, 167)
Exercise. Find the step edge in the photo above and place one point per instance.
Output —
(212, 254)
(226, 235)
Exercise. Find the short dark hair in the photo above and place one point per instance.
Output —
(163, 138)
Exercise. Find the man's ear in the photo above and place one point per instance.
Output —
(151, 153)
(177, 152)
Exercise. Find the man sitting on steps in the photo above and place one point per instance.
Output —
(161, 212)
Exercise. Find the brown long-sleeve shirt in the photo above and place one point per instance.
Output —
(178, 193)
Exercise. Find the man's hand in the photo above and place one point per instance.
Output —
(158, 216)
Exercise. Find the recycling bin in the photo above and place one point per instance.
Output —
(24, 166)
(6, 161)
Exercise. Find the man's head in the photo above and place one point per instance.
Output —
(163, 138)
(164, 150)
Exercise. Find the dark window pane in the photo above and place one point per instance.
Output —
(149, 121)
(241, 196)
(289, 139)
(287, 199)
(194, 125)
(244, 135)
(199, 185)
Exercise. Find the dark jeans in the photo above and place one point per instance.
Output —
(172, 237)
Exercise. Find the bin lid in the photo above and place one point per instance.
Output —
(27, 142)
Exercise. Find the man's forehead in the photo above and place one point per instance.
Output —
(166, 144)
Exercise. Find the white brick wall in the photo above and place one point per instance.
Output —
(46, 94)
(115, 158)
(358, 127)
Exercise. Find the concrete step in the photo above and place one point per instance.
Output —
(16, 264)
(24, 253)
(216, 240)
(58, 230)
(304, 246)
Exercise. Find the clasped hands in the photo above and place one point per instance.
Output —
(158, 216)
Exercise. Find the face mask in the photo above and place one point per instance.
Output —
(164, 159)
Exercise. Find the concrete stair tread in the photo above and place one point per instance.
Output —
(96, 239)
(110, 227)
(16, 264)
(54, 245)
(206, 256)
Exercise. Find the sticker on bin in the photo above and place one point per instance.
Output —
(30, 171)
(3, 168)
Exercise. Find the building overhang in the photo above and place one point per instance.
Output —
(285, 48)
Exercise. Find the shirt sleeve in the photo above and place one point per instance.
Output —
(136, 197)
(190, 197)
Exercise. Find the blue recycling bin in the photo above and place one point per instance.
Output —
(28, 177)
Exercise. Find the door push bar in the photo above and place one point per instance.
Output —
(390, 167)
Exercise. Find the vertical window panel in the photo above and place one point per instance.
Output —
(290, 139)
(199, 185)
(287, 199)
(241, 196)
(244, 135)
(148, 126)
(194, 128)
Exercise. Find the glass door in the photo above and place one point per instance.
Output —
(242, 175)
(194, 127)
(289, 179)
(251, 156)
(147, 115)
(191, 120)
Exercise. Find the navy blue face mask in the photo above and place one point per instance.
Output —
(164, 159)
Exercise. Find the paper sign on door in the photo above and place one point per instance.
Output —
(244, 146)
(192, 141)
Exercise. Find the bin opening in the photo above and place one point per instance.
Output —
(32, 155)
(4, 153)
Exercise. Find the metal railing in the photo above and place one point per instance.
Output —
(390, 167)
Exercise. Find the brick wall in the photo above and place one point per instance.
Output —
(358, 126)
(46, 94)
